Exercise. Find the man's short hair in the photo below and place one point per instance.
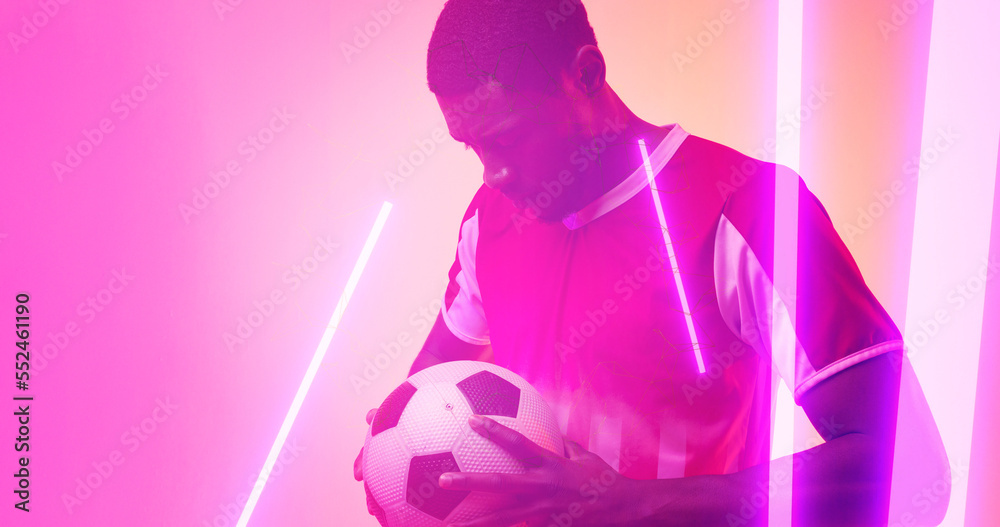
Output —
(477, 41)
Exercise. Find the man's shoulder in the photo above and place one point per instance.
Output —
(483, 198)
(747, 188)
(744, 184)
(730, 169)
(484, 211)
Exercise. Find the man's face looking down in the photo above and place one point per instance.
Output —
(526, 136)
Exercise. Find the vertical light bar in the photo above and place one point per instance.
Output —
(673, 258)
(789, 79)
(954, 207)
(317, 359)
(984, 463)
(786, 223)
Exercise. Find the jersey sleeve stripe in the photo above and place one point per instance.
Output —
(671, 461)
(461, 335)
(844, 363)
(745, 291)
(463, 306)
(838, 321)
(606, 439)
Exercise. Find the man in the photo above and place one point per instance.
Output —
(643, 309)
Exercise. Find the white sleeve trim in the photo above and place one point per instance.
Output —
(459, 334)
(465, 317)
(846, 362)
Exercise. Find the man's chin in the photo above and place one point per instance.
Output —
(550, 219)
(539, 215)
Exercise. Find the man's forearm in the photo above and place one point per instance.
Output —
(843, 482)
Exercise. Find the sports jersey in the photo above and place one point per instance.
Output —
(589, 310)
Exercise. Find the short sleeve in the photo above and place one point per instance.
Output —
(838, 321)
(462, 309)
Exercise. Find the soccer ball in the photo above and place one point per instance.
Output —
(422, 430)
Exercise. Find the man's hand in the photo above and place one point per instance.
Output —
(360, 476)
(580, 487)
(358, 469)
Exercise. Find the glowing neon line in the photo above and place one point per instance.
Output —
(952, 219)
(672, 258)
(789, 85)
(786, 223)
(317, 359)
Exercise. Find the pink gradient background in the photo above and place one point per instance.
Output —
(323, 176)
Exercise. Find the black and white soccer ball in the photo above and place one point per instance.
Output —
(421, 431)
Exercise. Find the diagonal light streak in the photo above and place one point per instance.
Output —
(317, 360)
(673, 258)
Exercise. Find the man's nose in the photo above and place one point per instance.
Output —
(498, 179)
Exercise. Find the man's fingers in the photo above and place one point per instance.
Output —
(358, 469)
(573, 449)
(373, 507)
(508, 517)
(495, 483)
(525, 450)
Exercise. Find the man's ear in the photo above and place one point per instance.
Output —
(588, 71)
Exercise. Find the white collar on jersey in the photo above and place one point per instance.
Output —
(631, 186)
